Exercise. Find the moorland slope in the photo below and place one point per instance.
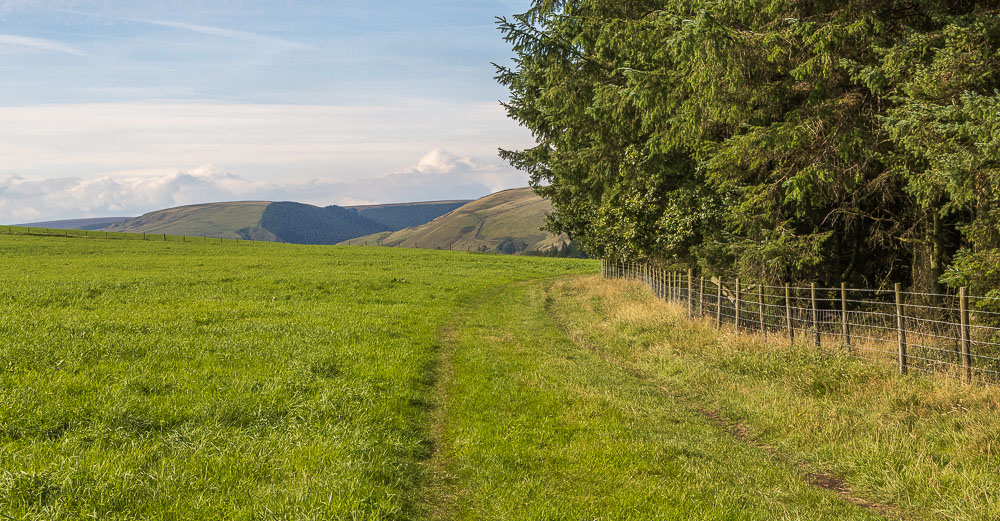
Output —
(283, 221)
(505, 222)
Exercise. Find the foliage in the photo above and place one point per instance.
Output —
(399, 216)
(305, 224)
(848, 141)
(566, 250)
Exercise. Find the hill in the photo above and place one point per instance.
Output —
(97, 223)
(306, 224)
(407, 215)
(284, 221)
(505, 222)
(227, 220)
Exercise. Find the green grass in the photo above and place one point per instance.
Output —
(924, 444)
(184, 380)
(166, 380)
(538, 426)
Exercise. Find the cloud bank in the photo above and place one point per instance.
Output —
(438, 175)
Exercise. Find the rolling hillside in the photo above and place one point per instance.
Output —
(406, 215)
(284, 222)
(97, 223)
(505, 222)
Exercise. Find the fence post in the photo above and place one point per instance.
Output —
(739, 297)
(963, 303)
(690, 294)
(815, 314)
(843, 315)
(718, 307)
(760, 308)
(901, 329)
(701, 298)
(788, 313)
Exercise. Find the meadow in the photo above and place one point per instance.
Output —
(172, 380)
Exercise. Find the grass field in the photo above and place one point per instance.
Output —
(201, 381)
(152, 380)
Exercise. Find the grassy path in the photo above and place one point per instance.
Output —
(534, 425)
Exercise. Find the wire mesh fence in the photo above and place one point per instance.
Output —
(953, 334)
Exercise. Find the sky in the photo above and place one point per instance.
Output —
(117, 108)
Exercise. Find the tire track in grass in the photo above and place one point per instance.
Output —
(817, 478)
(440, 488)
(553, 361)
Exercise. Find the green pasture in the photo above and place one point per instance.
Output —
(191, 380)
(169, 380)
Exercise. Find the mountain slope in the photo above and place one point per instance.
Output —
(306, 224)
(227, 220)
(96, 223)
(406, 215)
(284, 221)
(505, 222)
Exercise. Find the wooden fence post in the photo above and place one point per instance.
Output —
(843, 316)
(701, 298)
(788, 313)
(760, 308)
(815, 314)
(963, 303)
(901, 329)
(690, 294)
(739, 296)
(718, 307)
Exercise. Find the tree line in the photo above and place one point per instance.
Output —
(833, 141)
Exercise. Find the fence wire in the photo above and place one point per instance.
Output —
(952, 334)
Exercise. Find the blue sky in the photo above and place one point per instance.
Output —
(122, 107)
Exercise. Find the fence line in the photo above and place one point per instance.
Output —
(925, 332)
(130, 236)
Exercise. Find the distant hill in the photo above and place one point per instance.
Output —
(283, 221)
(307, 224)
(504, 222)
(98, 223)
(238, 220)
(407, 215)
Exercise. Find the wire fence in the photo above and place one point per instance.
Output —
(953, 334)
(125, 236)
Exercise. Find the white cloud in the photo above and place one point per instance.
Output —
(439, 175)
(226, 33)
(10, 43)
(297, 142)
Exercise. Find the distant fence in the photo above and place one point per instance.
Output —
(936, 333)
(130, 236)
